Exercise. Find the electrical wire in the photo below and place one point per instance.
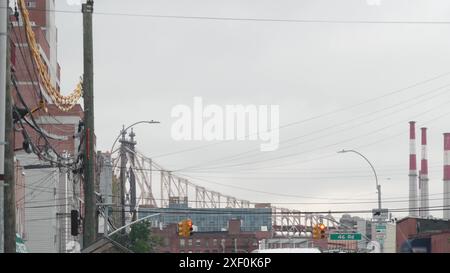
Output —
(257, 152)
(36, 127)
(334, 154)
(250, 19)
(244, 211)
(332, 112)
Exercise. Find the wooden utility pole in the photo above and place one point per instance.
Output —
(89, 230)
(9, 190)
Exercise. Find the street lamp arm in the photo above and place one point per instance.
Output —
(374, 172)
(132, 223)
(136, 123)
(365, 158)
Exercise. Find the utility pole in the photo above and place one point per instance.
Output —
(9, 190)
(123, 166)
(4, 66)
(89, 230)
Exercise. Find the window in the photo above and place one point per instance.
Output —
(166, 242)
(182, 243)
(215, 242)
(206, 243)
(190, 242)
(198, 243)
(31, 4)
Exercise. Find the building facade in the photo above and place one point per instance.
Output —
(212, 219)
(232, 240)
(423, 235)
(48, 191)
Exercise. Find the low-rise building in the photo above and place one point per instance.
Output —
(211, 219)
(422, 235)
(232, 240)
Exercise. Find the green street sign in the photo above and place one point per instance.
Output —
(380, 227)
(345, 236)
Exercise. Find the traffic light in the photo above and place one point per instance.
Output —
(323, 230)
(316, 232)
(185, 228)
(181, 229)
(190, 229)
(74, 222)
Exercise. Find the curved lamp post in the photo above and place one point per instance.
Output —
(374, 172)
(132, 223)
(125, 129)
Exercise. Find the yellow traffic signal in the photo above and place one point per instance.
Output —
(323, 230)
(185, 228)
(181, 229)
(189, 229)
(316, 232)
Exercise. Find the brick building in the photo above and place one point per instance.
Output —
(39, 181)
(231, 241)
(423, 235)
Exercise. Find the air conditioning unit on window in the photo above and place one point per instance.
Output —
(31, 4)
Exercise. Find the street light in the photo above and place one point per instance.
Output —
(132, 223)
(125, 129)
(374, 172)
(122, 185)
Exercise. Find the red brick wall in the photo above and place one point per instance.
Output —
(208, 242)
(38, 14)
(234, 226)
(440, 243)
(60, 146)
(405, 228)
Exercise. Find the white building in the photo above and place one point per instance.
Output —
(385, 234)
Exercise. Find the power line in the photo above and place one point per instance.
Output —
(250, 19)
(318, 148)
(244, 211)
(295, 203)
(35, 126)
(318, 116)
(236, 187)
(257, 152)
(301, 152)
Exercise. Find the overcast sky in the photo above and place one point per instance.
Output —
(145, 66)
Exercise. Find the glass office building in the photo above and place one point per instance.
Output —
(212, 219)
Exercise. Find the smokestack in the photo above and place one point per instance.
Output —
(423, 177)
(412, 170)
(446, 209)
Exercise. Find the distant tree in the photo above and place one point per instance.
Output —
(140, 239)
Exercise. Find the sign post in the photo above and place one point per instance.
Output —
(379, 217)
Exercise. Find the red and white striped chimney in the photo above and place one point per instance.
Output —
(412, 170)
(423, 177)
(446, 209)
